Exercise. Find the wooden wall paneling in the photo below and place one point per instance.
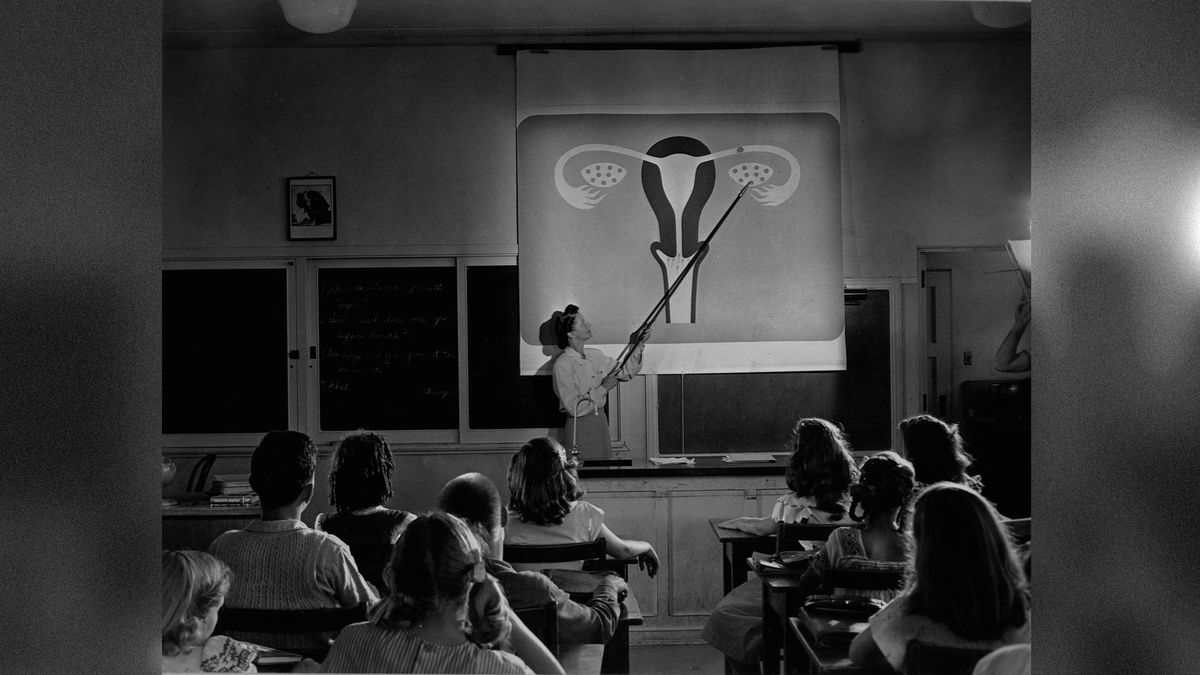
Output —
(693, 576)
(634, 514)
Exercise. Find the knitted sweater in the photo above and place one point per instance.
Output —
(284, 564)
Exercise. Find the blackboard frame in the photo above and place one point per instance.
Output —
(312, 324)
(895, 332)
(215, 439)
(634, 414)
(468, 433)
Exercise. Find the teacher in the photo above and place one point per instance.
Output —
(582, 382)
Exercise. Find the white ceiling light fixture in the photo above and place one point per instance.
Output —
(1001, 14)
(318, 16)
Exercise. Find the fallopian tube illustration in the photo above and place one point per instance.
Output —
(678, 176)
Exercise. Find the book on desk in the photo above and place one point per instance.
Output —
(231, 490)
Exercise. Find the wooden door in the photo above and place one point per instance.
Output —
(937, 389)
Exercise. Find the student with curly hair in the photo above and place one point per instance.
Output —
(194, 585)
(883, 492)
(819, 472)
(966, 588)
(937, 452)
(278, 561)
(445, 614)
(546, 507)
(360, 484)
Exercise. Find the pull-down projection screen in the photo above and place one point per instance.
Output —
(626, 161)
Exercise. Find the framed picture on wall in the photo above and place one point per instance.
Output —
(311, 208)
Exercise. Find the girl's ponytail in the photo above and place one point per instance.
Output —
(487, 613)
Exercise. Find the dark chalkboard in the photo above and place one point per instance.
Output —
(388, 348)
(753, 412)
(502, 398)
(225, 351)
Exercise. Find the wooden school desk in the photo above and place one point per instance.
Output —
(193, 524)
(580, 585)
(780, 600)
(804, 656)
(736, 547)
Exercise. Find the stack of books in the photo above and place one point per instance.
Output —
(232, 490)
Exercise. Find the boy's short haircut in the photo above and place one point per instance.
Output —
(282, 464)
(475, 499)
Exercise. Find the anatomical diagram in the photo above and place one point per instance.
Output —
(678, 174)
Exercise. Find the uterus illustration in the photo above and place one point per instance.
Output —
(679, 175)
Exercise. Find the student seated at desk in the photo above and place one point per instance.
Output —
(966, 587)
(278, 562)
(360, 484)
(936, 451)
(883, 491)
(445, 614)
(819, 472)
(194, 585)
(545, 508)
(474, 498)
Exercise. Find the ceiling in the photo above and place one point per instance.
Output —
(260, 23)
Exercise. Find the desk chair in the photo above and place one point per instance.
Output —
(926, 659)
(285, 621)
(789, 535)
(542, 621)
(594, 555)
(843, 583)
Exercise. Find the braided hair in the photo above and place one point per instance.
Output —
(361, 475)
(885, 482)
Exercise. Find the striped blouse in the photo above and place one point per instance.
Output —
(365, 648)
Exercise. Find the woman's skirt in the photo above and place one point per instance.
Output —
(589, 435)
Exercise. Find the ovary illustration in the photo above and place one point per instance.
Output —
(678, 176)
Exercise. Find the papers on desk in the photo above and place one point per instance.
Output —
(748, 457)
(787, 562)
(665, 461)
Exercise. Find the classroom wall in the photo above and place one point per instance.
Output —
(937, 138)
(422, 143)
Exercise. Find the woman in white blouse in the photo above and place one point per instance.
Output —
(582, 381)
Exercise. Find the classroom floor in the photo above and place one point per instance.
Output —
(672, 659)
